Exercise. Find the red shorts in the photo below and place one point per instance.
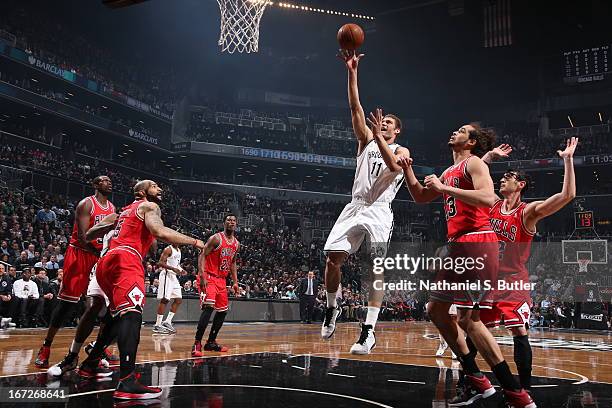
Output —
(216, 294)
(77, 267)
(510, 314)
(120, 274)
(476, 262)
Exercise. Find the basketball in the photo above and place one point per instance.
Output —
(350, 37)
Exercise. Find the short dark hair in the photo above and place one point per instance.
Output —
(484, 137)
(398, 121)
(520, 175)
(97, 180)
(230, 215)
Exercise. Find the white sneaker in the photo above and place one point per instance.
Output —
(441, 349)
(329, 322)
(366, 342)
(160, 329)
(168, 326)
(5, 323)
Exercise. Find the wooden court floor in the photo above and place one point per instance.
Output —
(575, 359)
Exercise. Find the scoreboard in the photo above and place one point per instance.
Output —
(584, 219)
(587, 65)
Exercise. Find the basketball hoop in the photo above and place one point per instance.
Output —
(583, 265)
(240, 24)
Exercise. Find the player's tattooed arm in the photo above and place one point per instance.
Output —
(483, 194)
(101, 228)
(362, 133)
(212, 243)
(390, 158)
(163, 260)
(537, 210)
(153, 221)
(83, 214)
(501, 151)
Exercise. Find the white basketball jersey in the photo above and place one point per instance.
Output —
(174, 259)
(374, 182)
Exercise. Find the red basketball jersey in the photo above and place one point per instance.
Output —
(219, 261)
(97, 214)
(514, 237)
(131, 232)
(462, 218)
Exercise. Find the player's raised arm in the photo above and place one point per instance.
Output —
(163, 260)
(152, 218)
(362, 133)
(101, 228)
(390, 158)
(501, 151)
(537, 210)
(483, 194)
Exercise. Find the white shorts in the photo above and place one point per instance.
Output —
(169, 286)
(94, 289)
(358, 222)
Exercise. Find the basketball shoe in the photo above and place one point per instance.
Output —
(473, 389)
(42, 359)
(69, 363)
(518, 399)
(130, 389)
(366, 341)
(329, 322)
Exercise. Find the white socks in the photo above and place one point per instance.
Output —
(170, 316)
(331, 299)
(158, 322)
(372, 316)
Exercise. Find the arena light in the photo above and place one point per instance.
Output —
(570, 121)
(322, 11)
(600, 117)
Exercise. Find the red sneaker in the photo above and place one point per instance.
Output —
(474, 389)
(519, 399)
(130, 389)
(196, 350)
(42, 360)
(93, 370)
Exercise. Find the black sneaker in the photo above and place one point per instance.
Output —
(93, 369)
(69, 363)
(329, 321)
(213, 346)
(130, 389)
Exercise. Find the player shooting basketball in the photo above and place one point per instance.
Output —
(368, 216)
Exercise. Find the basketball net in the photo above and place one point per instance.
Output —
(240, 24)
(583, 265)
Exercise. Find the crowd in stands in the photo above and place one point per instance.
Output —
(63, 96)
(59, 45)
